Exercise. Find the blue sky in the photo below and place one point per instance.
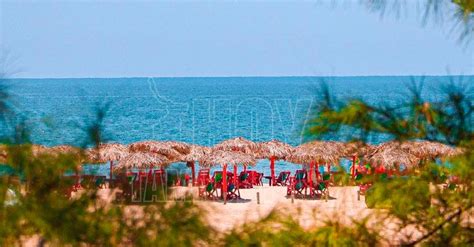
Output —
(125, 39)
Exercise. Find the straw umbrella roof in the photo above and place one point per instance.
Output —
(390, 156)
(333, 148)
(164, 148)
(226, 157)
(63, 150)
(428, 149)
(196, 152)
(306, 153)
(356, 148)
(107, 152)
(141, 160)
(239, 144)
(37, 149)
(456, 151)
(182, 147)
(273, 148)
(3, 153)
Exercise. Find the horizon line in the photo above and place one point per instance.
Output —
(238, 76)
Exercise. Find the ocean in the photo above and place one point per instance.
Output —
(197, 110)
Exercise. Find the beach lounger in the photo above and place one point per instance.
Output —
(124, 181)
(210, 190)
(233, 191)
(298, 184)
(244, 180)
(259, 179)
(203, 177)
(320, 187)
(283, 179)
(71, 186)
(255, 178)
(92, 181)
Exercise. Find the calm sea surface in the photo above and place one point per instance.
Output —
(197, 110)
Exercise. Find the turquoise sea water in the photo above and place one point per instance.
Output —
(197, 110)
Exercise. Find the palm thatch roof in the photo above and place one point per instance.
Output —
(141, 160)
(357, 148)
(316, 151)
(3, 153)
(239, 144)
(37, 149)
(106, 152)
(164, 148)
(428, 149)
(63, 150)
(456, 151)
(221, 157)
(196, 152)
(391, 156)
(273, 148)
(181, 147)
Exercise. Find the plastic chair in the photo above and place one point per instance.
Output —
(244, 180)
(298, 184)
(283, 179)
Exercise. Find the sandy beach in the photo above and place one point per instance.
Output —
(343, 202)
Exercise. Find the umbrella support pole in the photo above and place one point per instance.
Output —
(272, 170)
(111, 174)
(224, 183)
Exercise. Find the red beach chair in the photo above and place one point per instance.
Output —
(320, 187)
(210, 190)
(259, 181)
(203, 177)
(283, 179)
(363, 186)
(232, 190)
(244, 180)
(298, 184)
(255, 178)
(159, 178)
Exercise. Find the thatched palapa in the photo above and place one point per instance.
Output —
(196, 152)
(239, 144)
(391, 156)
(314, 152)
(141, 160)
(220, 157)
(181, 147)
(106, 152)
(356, 149)
(274, 148)
(164, 148)
(428, 149)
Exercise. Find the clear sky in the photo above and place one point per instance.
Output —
(126, 39)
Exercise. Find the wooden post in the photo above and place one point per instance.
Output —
(310, 176)
(258, 197)
(235, 175)
(272, 169)
(353, 166)
(78, 179)
(224, 183)
(317, 170)
(193, 173)
(111, 174)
